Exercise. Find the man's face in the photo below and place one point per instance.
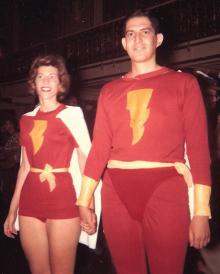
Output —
(140, 40)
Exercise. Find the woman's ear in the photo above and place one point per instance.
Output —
(33, 86)
(61, 88)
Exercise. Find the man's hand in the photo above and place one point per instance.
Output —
(88, 220)
(199, 232)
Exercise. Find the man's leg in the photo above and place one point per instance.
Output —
(123, 234)
(166, 226)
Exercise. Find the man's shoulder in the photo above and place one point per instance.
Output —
(111, 87)
(181, 75)
(113, 83)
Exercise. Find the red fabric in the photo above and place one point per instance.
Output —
(128, 182)
(149, 220)
(36, 199)
(177, 115)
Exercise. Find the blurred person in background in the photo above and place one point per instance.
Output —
(9, 160)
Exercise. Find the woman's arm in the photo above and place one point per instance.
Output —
(9, 229)
(82, 159)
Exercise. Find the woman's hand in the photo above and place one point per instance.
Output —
(88, 220)
(9, 226)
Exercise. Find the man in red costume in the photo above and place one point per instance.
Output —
(146, 122)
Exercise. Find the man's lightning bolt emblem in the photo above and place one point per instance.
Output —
(137, 103)
(37, 134)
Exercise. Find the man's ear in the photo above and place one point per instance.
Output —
(159, 39)
(124, 44)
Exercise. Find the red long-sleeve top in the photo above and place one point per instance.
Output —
(176, 116)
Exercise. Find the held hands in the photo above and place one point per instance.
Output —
(199, 232)
(88, 220)
(9, 228)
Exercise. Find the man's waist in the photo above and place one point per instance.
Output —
(180, 167)
(140, 164)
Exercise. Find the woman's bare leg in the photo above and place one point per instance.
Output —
(34, 241)
(63, 236)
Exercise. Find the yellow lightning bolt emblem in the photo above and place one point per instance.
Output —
(36, 134)
(137, 103)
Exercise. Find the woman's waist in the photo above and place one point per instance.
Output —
(49, 169)
(49, 174)
(49, 166)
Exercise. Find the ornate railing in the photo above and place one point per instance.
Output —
(180, 20)
(15, 67)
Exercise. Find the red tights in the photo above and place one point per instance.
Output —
(145, 214)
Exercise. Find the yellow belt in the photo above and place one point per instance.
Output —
(47, 174)
(181, 168)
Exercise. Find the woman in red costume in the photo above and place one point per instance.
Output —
(145, 122)
(45, 195)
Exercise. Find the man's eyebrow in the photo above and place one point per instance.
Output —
(129, 30)
(147, 28)
(144, 28)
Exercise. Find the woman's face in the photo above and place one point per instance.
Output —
(47, 82)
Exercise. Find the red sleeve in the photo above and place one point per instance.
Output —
(101, 144)
(196, 133)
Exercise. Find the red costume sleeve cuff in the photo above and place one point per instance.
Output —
(202, 195)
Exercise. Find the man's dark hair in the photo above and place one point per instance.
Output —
(143, 13)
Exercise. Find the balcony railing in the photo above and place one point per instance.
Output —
(180, 21)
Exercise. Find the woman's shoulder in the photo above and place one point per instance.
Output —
(70, 112)
(31, 113)
(73, 108)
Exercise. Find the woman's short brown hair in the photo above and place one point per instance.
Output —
(53, 60)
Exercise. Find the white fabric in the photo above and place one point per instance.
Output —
(73, 118)
(191, 188)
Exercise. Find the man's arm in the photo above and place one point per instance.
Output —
(196, 134)
(95, 165)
